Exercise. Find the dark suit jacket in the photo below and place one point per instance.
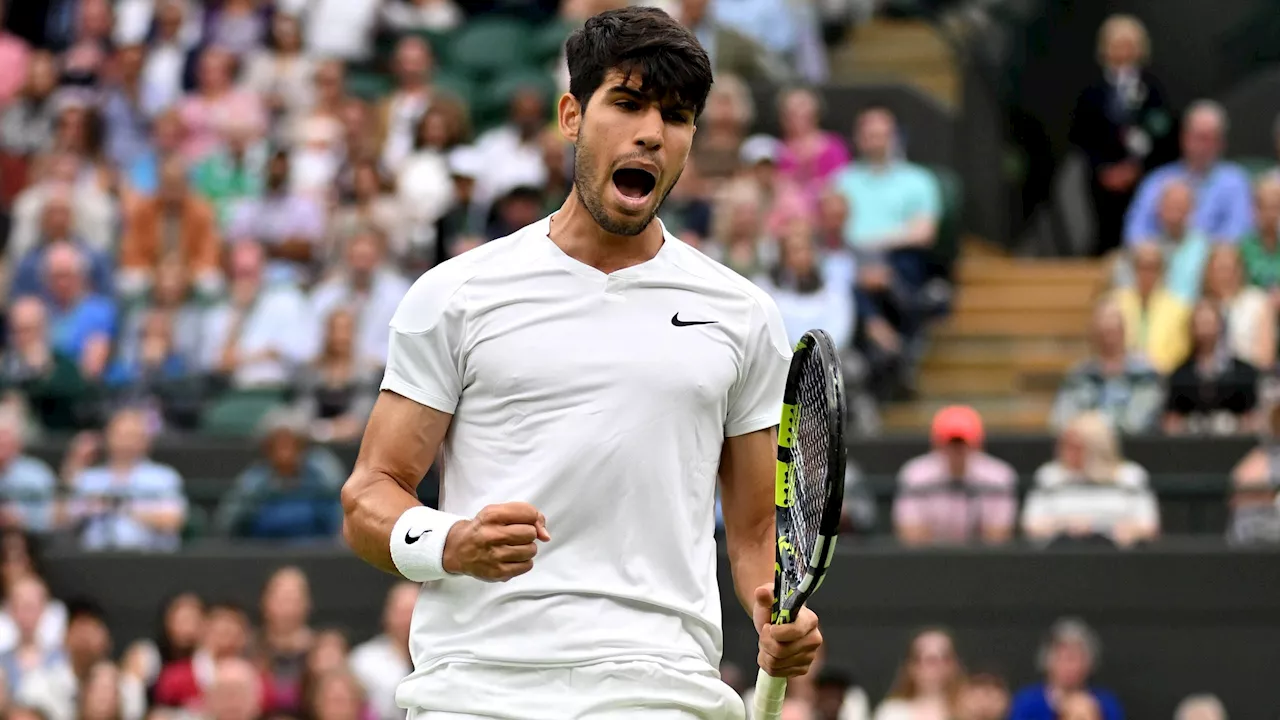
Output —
(1099, 124)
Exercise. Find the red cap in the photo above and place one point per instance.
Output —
(957, 422)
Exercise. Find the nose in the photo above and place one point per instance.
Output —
(650, 129)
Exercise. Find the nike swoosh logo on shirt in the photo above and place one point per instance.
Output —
(675, 320)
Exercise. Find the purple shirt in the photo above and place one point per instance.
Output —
(811, 173)
(955, 510)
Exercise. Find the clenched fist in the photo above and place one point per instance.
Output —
(498, 544)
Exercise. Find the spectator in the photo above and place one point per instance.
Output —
(153, 373)
(289, 225)
(287, 638)
(1123, 124)
(90, 49)
(1200, 707)
(1223, 211)
(380, 662)
(169, 56)
(1067, 658)
(291, 494)
(185, 682)
(1255, 514)
(371, 207)
(329, 651)
(340, 29)
(26, 127)
(338, 696)
(731, 52)
(129, 502)
(20, 562)
(53, 690)
(239, 26)
(737, 239)
(1080, 706)
(517, 208)
(26, 605)
(371, 291)
(236, 693)
(56, 228)
(783, 201)
(125, 119)
(425, 186)
(82, 324)
(810, 156)
(100, 697)
(955, 493)
(282, 73)
(94, 213)
(723, 126)
(179, 324)
(984, 697)
(1090, 491)
(328, 102)
(1214, 391)
(15, 58)
(807, 289)
(340, 391)
(1121, 385)
(928, 682)
(260, 333)
(1250, 318)
(1156, 322)
(217, 105)
(45, 377)
(233, 173)
(1185, 249)
(838, 697)
(404, 16)
(174, 224)
(27, 484)
(511, 154)
(182, 625)
(1260, 249)
(141, 178)
(400, 113)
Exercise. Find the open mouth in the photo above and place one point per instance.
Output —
(634, 183)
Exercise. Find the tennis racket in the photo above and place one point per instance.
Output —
(808, 490)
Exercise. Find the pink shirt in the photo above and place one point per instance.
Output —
(206, 121)
(14, 58)
(811, 171)
(954, 510)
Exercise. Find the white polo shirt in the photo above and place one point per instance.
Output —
(604, 401)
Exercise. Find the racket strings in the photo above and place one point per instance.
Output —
(809, 466)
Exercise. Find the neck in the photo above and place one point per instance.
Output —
(361, 279)
(575, 232)
(1199, 167)
(122, 463)
(1269, 236)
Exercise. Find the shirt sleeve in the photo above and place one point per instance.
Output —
(1139, 222)
(755, 400)
(424, 355)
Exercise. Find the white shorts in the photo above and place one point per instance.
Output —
(601, 691)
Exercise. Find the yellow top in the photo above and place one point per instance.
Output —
(1161, 330)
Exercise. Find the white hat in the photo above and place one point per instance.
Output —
(760, 148)
(465, 162)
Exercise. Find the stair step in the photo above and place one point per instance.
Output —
(998, 271)
(1015, 323)
(967, 382)
(1024, 296)
(1019, 360)
(1026, 413)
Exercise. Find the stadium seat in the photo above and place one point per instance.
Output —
(491, 108)
(486, 48)
(369, 86)
(1256, 165)
(197, 525)
(238, 412)
(548, 42)
(947, 247)
(459, 86)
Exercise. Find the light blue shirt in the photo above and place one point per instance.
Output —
(881, 201)
(1223, 210)
(27, 486)
(768, 22)
(148, 486)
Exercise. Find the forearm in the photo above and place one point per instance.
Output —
(751, 558)
(372, 502)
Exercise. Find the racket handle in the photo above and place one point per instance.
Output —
(770, 692)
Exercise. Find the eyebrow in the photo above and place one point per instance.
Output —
(634, 94)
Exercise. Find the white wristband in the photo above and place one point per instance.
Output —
(417, 543)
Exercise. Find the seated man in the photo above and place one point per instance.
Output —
(1224, 210)
(894, 208)
(1185, 249)
(82, 323)
(56, 226)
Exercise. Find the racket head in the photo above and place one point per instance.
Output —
(809, 482)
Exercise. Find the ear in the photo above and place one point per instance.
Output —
(570, 116)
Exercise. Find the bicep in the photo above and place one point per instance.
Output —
(401, 439)
(747, 465)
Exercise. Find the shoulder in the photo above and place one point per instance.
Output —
(161, 474)
(918, 175)
(436, 291)
(919, 471)
(1132, 476)
(995, 470)
(34, 470)
(1233, 173)
(1050, 475)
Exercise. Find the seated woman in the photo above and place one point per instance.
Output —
(1155, 320)
(1214, 391)
(1090, 491)
(1250, 319)
(339, 391)
(928, 681)
(1255, 505)
(806, 287)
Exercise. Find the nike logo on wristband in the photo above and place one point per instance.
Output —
(411, 539)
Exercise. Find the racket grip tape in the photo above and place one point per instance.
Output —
(770, 692)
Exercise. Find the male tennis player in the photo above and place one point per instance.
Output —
(587, 378)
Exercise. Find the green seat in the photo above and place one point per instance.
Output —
(197, 525)
(1256, 166)
(489, 47)
(491, 108)
(369, 86)
(950, 223)
(547, 43)
(459, 86)
(238, 412)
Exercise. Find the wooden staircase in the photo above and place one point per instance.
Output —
(1017, 327)
(899, 51)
